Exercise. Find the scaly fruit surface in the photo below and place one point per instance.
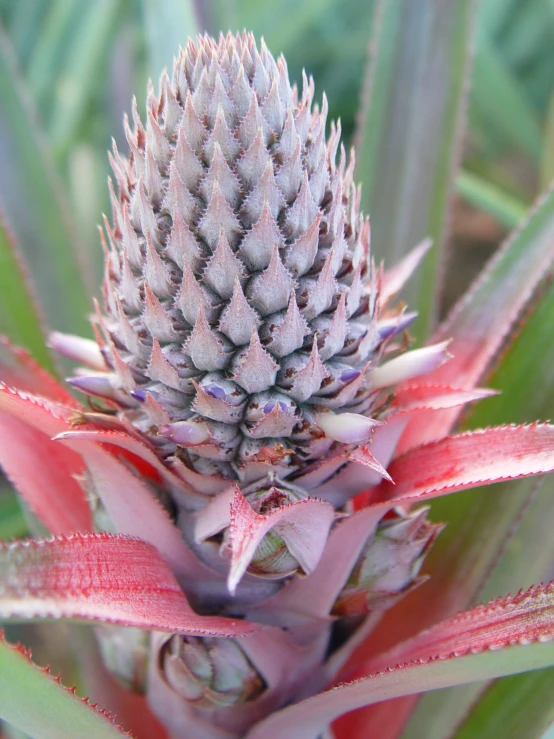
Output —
(244, 324)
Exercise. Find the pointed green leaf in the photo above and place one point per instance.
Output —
(37, 703)
(33, 201)
(408, 138)
(19, 316)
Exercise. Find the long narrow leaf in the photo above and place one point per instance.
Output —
(523, 375)
(481, 322)
(462, 461)
(525, 552)
(56, 31)
(19, 315)
(36, 702)
(89, 46)
(496, 91)
(504, 208)
(515, 707)
(408, 138)
(509, 544)
(33, 201)
(475, 550)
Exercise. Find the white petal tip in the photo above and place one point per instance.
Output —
(348, 428)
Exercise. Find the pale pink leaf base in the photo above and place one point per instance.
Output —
(502, 638)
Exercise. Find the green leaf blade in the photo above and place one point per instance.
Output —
(34, 205)
(88, 47)
(504, 208)
(19, 316)
(35, 702)
(167, 24)
(497, 91)
(512, 708)
(408, 139)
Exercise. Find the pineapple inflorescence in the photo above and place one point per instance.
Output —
(238, 287)
(244, 322)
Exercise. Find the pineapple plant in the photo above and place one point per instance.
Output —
(257, 436)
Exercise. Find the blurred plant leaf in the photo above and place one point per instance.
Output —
(167, 24)
(26, 19)
(34, 204)
(549, 732)
(19, 317)
(527, 33)
(493, 14)
(515, 707)
(504, 208)
(89, 46)
(35, 702)
(547, 160)
(281, 32)
(409, 132)
(56, 32)
(524, 375)
(506, 542)
(12, 520)
(495, 92)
